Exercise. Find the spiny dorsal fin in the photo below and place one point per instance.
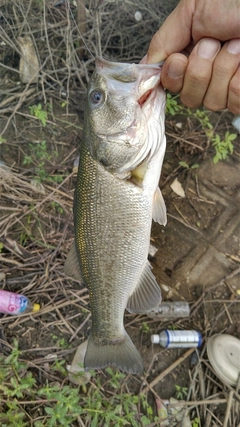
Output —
(72, 267)
(147, 294)
(159, 213)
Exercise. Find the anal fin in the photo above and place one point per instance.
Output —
(159, 213)
(72, 267)
(146, 295)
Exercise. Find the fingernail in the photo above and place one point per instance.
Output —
(234, 46)
(207, 48)
(176, 69)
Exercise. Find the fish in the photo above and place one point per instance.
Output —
(116, 197)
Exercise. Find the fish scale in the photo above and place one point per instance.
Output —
(116, 197)
(107, 241)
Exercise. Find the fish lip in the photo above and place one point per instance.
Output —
(101, 62)
(133, 73)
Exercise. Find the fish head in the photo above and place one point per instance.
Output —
(125, 102)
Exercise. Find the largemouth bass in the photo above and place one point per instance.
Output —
(116, 197)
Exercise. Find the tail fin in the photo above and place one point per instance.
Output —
(119, 353)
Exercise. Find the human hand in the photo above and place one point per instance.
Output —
(207, 71)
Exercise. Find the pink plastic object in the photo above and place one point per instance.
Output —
(11, 303)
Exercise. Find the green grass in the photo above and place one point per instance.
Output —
(27, 401)
(223, 146)
(39, 157)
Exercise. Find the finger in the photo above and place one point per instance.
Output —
(216, 19)
(199, 72)
(174, 34)
(225, 66)
(172, 75)
(233, 103)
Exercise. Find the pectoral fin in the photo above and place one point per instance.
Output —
(72, 267)
(159, 213)
(147, 294)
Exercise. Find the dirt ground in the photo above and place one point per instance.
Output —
(197, 258)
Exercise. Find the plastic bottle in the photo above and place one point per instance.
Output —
(177, 339)
(171, 310)
(11, 303)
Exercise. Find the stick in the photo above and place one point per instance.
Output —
(168, 370)
(198, 402)
(229, 405)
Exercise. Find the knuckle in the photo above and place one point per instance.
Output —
(234, 87)
(235, 109)
(198, 76)
(189, 101)
(213, 106)
(234, 95)
(233, 105)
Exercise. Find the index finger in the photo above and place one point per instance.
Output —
(174, 35)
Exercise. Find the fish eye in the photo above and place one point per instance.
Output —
(97, 97)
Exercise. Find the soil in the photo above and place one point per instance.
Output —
(196, 260)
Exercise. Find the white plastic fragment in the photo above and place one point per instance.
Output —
(236, 123)
(179, 125)
(162, 412)
(152, 250)
(29, 64)
(76, 373)
(138, 16)
(177, 188)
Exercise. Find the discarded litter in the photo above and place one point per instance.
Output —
(236, 123)
(177, 188)
(12, 303)
(76, 373)
(171, 310)
(177, 339)
(224, 354)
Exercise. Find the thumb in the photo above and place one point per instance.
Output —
(175, 33)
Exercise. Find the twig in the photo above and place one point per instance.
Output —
(184, 223)
(229, 405)
(197, 402)
(184, 140)
(169, 369)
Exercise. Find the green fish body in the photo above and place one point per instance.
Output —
(116, 197)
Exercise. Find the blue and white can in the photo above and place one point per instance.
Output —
(177, 339)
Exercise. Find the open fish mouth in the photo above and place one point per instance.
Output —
(140, 79)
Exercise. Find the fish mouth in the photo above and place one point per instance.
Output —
(143, 100)
(141, 83)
